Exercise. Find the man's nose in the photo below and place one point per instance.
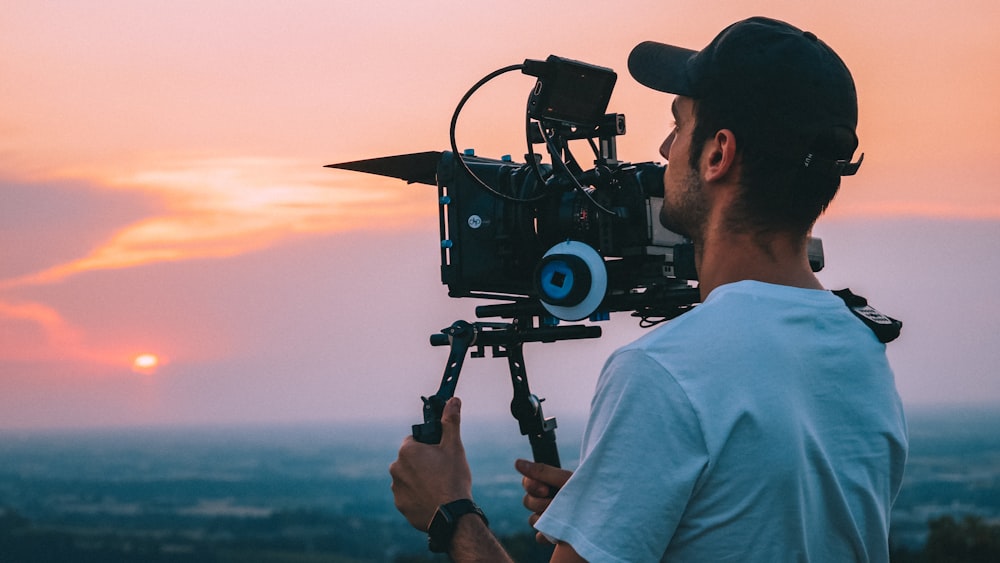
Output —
(665, 147)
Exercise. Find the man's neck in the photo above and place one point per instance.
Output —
(726, 257)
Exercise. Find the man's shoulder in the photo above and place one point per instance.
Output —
(745, 320)
(748, 303)
(723, 307)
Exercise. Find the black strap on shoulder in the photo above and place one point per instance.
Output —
(885, 327)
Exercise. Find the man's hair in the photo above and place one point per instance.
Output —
(777, 194)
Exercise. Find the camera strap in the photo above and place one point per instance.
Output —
(886, 328)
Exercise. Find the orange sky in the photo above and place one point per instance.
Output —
(179, 137)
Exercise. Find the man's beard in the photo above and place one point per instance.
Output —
(686, 214)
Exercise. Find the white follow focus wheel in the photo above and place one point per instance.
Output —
(571, 280)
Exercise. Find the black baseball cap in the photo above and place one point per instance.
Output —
(776, 81)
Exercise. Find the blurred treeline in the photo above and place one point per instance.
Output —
(315, 537)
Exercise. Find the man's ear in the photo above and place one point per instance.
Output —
(719, 156)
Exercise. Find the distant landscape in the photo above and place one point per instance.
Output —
(321, 493)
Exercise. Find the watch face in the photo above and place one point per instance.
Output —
(440, 531)
(442, 526)
(441, 521)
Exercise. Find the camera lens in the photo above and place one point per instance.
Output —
(571, 280)
(563, 279)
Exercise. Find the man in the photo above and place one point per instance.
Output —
(764, 425)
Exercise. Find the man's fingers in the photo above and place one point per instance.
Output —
(543, 473)
(535, 488)
(536, 503)
(451, 423)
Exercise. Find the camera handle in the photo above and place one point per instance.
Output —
(461, 335)
(527, 409)
(506, 340)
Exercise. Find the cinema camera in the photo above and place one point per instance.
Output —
(552, 241)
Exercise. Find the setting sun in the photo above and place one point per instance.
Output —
(145, 363)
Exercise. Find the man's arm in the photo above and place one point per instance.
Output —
(425, 476)
(540, 482)
(565, 553)
(473, 541)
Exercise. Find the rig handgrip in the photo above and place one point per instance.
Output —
(428, 432)
(544, 449)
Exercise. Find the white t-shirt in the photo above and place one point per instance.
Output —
(764, 425)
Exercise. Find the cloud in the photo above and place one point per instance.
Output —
(45, 223)
(214, 208)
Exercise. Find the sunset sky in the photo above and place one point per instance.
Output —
(163, 197)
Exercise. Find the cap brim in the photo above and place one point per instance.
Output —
(661, 67)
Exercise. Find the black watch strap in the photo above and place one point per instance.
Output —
(442, 527)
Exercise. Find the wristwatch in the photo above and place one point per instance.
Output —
(445, 520)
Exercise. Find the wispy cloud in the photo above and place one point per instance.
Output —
(228, 206)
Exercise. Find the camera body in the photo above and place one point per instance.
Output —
(494, 248)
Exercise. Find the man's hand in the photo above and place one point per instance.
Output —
(540, 481)
(425, 476)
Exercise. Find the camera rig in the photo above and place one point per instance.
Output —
(550, 241)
